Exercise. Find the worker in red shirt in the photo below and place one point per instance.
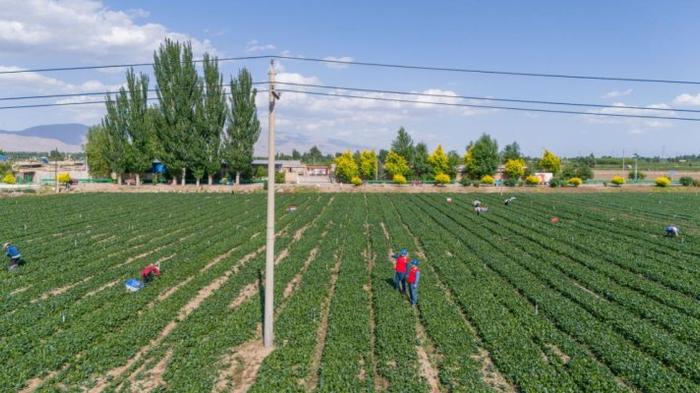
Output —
(400, 270)
(149, 273)
(413, 279)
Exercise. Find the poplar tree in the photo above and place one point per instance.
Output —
(213, 117)
(243, 128)
(180, 98)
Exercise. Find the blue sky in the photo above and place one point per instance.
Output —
(622, 38)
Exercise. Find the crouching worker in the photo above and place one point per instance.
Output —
(400, 270)
(149, 273)
(672, 231)
(12, 252)
(413, 279)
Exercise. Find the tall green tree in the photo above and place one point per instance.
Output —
(403, 146)
(421, 167)
(140, 128)
(214, 116)
(117, 138)
(95, 151)
(482, 157)
(180, 99)
(511, 152)
(243, 126)
(313, 156)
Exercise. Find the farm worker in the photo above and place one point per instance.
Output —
(12, 252)
(413, 279)
(478, 210)
(509, 201)
(476, 203)
(400, 270)
(149, 273)
(672, 231)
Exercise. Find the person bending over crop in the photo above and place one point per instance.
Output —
(12, 252)
(509, 201)
(476, 203)
(480, 209)
(672, 231)
(413, 279)
(400, 270)
(149, 273)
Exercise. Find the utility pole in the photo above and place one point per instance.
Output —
(623, 159)
(270, 245)
(636, 156)
(55, 173)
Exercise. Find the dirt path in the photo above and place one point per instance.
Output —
(60, 291)
(20, 290)
(242, 365)
(102, 288)
(427, 367)
(312, 380)
(154, 376)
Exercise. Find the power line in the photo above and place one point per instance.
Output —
(81, 103)
(522, 101)
(397, 92)
(382, 65)
(94, 93)
(490, 106)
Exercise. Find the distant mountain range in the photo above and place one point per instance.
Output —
(65, 137)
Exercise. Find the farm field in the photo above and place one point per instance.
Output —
(509, 302)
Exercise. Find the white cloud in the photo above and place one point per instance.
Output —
(35, 82)
(687, 99)
(635, 125)
(617, 93)
(84, 28)
(337, 66)
(255, 46)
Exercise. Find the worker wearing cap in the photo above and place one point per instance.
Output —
(400, 270)
(413, 279)
(672, 231)
(12, 252)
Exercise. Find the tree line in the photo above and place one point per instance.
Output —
(407, 160)
(195, 128)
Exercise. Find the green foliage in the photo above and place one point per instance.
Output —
(438, 161)
(356, 181)
(442, 178)
(96, 152)
(180, 101)
(279, 177)
(488, 179)
(345, 167)
(577, 168)
(686, 181)
(550, 162)
(575, 181)
(454, 160)
(465, 181)
(9, 178)
(556, 182)
(481, 158)
(243, 128)
(368, 164)
(511, 152)
(56, 155)
(514, 168)
(510, 182)
(663, 181)
(617, 180)
(403, 146)
(395, 164)
(421, 165)
(213, 117)
(640, 175)
(399, 179)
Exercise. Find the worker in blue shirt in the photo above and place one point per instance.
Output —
(12, 252)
